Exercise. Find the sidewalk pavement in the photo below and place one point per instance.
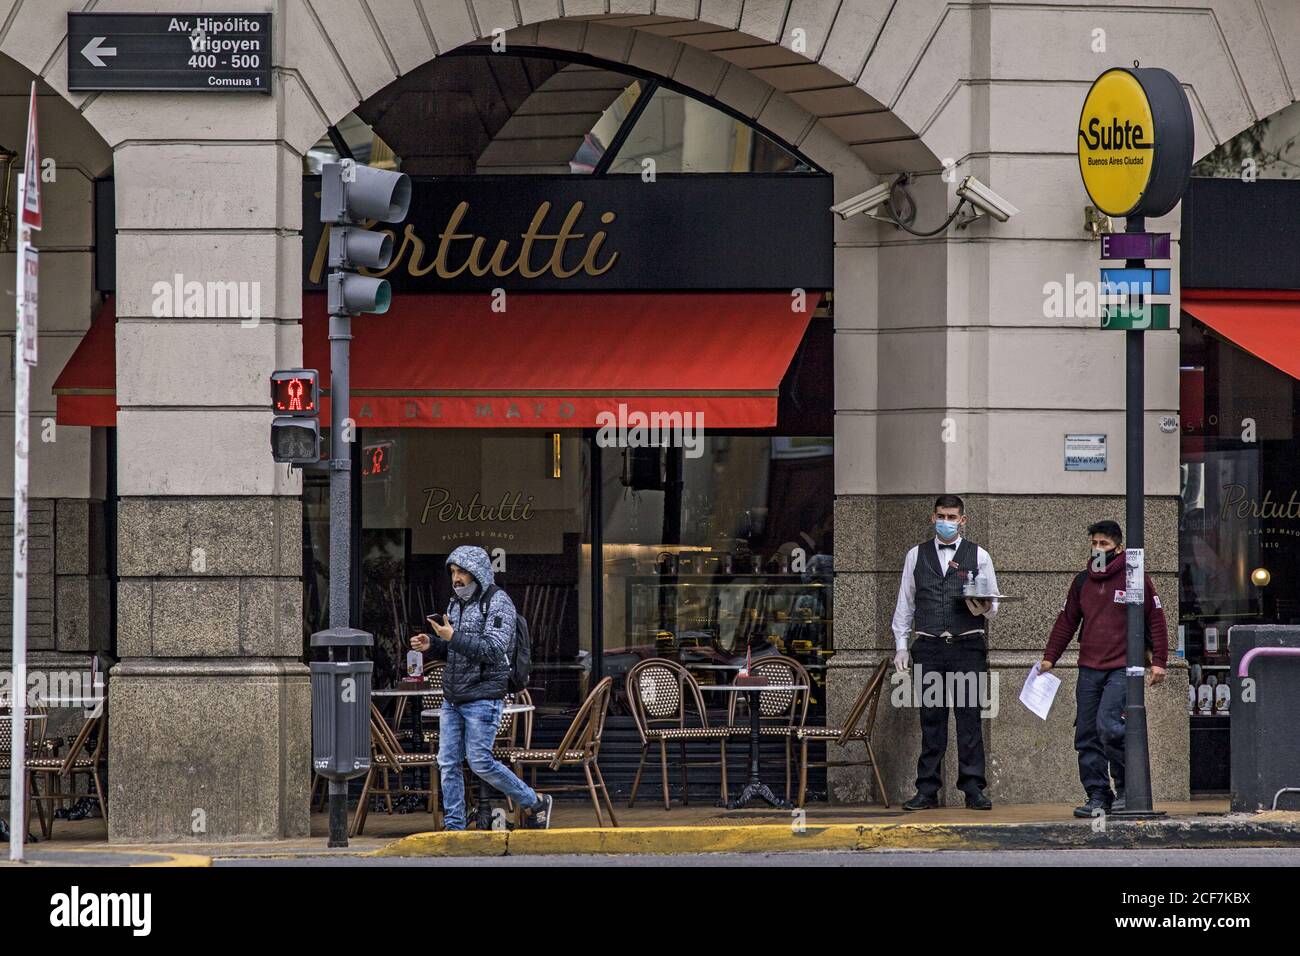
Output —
(704, 829)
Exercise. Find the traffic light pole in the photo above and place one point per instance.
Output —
(340, 336)
(350, 195)
(1137, 758)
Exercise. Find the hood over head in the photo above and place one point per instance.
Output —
(476, 561)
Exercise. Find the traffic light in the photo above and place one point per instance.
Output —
(377, 460)
(350, 195)
(295, 430)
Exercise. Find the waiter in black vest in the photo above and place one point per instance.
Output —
(950, 641)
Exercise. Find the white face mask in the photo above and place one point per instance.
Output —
(466, 592)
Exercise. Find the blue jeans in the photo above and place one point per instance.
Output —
(1099, 729)
(467, 732)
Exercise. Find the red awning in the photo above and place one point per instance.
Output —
(547, 361)
(85, 389)
(558, 360)
(1265, 324)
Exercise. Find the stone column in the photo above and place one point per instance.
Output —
(210, 704)
(956, 380)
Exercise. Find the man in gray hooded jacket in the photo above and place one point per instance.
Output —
(476, 638)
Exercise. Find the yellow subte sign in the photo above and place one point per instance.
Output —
(1117, 134)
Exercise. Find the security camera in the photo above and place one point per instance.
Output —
(866, 202)
(985, 199)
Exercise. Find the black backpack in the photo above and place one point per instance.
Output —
(521, 652)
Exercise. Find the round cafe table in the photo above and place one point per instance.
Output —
(417, 726)
(755, 787)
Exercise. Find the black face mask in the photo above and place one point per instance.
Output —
(1110, 555)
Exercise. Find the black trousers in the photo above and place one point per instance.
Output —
(961, 659)
(1099, 729)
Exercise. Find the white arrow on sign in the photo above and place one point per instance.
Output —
(93, 51)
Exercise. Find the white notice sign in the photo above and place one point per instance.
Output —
(1135, 576)
(1085, 452)
(30, 335)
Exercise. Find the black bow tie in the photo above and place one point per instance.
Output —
(947, 547)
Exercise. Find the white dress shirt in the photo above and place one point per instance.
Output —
(905, 609)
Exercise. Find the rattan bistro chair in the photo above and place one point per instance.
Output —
(780, 712)
(430, 701)
(85, 757)
(579, 748)
(514, 732)
(657, 693)
(387, 756)
(35, 744)
(857, 726)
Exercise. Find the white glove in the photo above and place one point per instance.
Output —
(902, 661)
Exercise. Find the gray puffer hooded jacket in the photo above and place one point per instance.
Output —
(479, 652)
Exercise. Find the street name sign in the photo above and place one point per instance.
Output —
(1135, 245)
(1134, 282)
(212, 52)
(1135, 318)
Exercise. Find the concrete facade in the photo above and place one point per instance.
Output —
(949, 376)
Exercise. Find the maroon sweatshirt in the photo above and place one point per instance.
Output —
(1099, 603)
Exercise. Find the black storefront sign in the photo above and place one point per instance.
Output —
(558, 233)
(1240, 235)
(213, 52)
(576, 233)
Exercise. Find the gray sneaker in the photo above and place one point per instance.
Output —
(539, 818)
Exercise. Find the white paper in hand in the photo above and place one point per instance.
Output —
(1039, 691)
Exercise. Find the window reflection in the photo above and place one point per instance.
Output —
(710, 559)
(519, 494)
(602, 134)
(684, 135)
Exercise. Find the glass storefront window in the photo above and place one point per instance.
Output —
(1268, 149)
(707, 559)
(555, 116)
(519, 494)
(602, 134)
(704, 558)
(685, 135)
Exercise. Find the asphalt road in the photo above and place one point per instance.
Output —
(1245, 856)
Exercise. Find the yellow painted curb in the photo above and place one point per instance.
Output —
(748, 838)
(167, 857)
(755, 838)
(181, 859)
(447, 843)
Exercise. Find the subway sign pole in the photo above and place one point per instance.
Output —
(1135, 157)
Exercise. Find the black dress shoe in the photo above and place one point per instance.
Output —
(919, 802)
(978, 802)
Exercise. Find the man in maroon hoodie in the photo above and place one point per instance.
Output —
(1097, 600)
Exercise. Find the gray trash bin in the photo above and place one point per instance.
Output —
(1265, 704)
(340, 705)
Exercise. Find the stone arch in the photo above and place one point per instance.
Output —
(809, 105)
